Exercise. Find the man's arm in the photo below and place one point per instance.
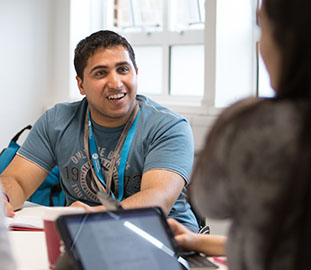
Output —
(158, 188)
(20, 179)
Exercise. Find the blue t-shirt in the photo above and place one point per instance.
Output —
(163, 140)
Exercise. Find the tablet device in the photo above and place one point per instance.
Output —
(121, 239)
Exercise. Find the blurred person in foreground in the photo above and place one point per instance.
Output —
(255, 167)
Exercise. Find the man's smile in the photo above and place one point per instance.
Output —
(116, 96)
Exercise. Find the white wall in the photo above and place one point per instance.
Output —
(32, 42)
(61, 49)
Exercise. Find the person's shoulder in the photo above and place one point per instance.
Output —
(239, 109)
(275, 114)
(254, 111)
(67, 106)
(259, 118)
(61, 113)
(231, 117)
(66, 110)
(151, 108)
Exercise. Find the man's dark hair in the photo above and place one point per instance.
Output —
(103, 39)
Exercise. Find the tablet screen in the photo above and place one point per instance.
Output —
(130, 239)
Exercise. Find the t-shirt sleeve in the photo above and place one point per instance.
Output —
(171, 148)
(38, 145)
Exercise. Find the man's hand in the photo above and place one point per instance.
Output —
(8, 207)
(88, 208)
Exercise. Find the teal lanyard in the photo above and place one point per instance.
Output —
(124, 142)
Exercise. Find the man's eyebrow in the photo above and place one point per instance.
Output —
(123, 63)
(106, 67)
(98, 67)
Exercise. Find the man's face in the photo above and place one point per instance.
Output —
(110, 85)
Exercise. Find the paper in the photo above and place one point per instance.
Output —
(30, 217)
(25, 222)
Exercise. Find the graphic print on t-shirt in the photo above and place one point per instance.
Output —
(87, 186)
(83, 187)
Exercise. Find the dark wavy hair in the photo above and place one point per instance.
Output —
(291, 29)
(291, 22)
(101, 39)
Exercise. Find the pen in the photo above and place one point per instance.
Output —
(220, 260)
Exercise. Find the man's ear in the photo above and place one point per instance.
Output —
(136, 70)
(80, 85)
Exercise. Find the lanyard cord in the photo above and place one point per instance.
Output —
(124, 142)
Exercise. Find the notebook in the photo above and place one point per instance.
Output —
(122, 239)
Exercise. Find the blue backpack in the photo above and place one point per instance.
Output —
(49, 193)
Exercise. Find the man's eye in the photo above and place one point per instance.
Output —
(100, 73)
(123, 69)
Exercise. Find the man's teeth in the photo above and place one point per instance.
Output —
(116, 96)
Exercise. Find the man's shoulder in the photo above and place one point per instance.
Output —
(66, 110)
(153, 109)
(67, 106)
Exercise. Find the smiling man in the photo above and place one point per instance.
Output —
(112, 140)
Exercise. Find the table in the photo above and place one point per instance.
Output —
(29, 250)
(29, 247)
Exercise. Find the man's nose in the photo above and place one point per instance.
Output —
(114, 80)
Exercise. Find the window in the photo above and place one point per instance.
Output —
(138, 15)
(192, 55)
